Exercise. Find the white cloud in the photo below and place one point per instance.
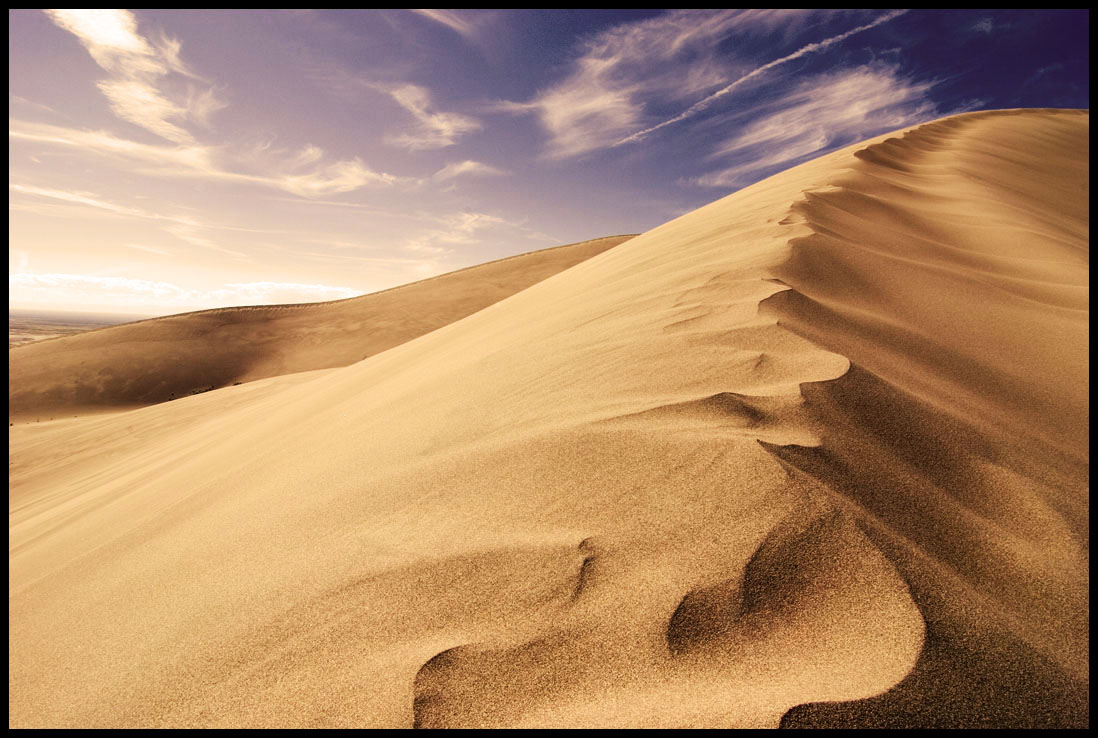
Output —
(467, 229)
(430, 129)
(201, 104)
(210, 162)
(804, 50)
(984, 25)
(110, 35)
(628, 74)
(627, 69)
(17, 100)
(193, 235)
(467, 167)
(453, 20)
(101, 142)
(433, 129)
(137, 68)
(823, 112)
(342, 176)
(185, 228)
(80, 198)
(90, 290)
(457, 229)
(309, 154)
(143, 105)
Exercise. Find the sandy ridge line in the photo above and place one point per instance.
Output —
(862, 520)
(794, 216)
(909, 555)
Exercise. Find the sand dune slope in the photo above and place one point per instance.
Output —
(814, 454)
(163, 359)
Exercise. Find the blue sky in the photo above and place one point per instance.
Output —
(163, 161)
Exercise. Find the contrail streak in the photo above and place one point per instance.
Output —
(706, 102)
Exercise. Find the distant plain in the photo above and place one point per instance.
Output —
(26, 326)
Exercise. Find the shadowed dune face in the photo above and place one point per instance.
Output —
(951, 267)
(168, 358)
(779, 461)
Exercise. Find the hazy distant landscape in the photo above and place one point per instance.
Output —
(25, 326)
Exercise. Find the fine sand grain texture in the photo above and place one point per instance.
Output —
(812, 455)
(162, 359)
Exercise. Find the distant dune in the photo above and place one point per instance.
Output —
(167, 358)
(814, 455)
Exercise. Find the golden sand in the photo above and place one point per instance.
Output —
(815, 454)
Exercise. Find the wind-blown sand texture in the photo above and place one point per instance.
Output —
(812, 455)
(162, 359)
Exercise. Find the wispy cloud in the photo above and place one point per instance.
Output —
(458, 229)
(467, 167)
(103, 143)
(143, 105)
(452, 19)
(433, 129)
(83, 289)
(202, 104)
(22, 101)
(213, 162)
(183, 227)
(341, 176)
(80, 198)
(624, 74)
(727, 89)
(137, 68)
(430, 128)
(984, 25)
(603, 95)
(818, 114)
(466, 229)
(195, 236)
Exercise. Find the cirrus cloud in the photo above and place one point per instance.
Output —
(818, 114)
(467, 167)
(433, 129)
(213, 163)
(137, 67)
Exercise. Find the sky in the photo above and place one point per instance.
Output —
(166, 161)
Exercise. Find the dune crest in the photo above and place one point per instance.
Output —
(811, 455)
(965, 310)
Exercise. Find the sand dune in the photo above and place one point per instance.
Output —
(161, 359)
(812, 455)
